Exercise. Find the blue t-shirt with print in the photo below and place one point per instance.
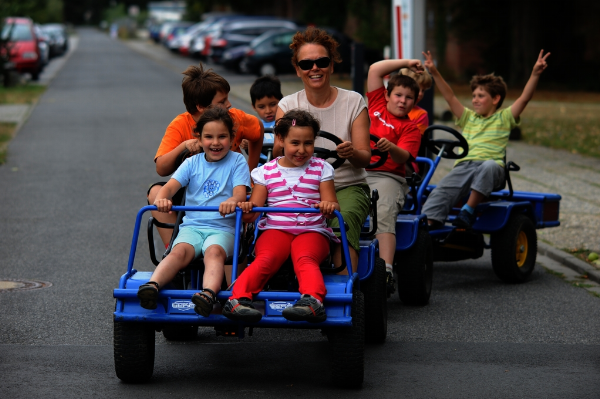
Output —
(209, 184)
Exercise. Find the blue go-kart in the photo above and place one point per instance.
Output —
(356, 303)
(509, 217)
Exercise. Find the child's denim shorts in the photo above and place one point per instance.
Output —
(201, 239)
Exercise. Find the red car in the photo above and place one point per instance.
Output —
(23, 46)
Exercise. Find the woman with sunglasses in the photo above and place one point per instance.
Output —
(342, 113)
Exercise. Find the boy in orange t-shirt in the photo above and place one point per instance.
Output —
(202, 89)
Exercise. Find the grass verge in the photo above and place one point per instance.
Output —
(21, 94)
(7, 131)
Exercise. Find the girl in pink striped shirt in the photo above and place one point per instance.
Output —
(295, 180)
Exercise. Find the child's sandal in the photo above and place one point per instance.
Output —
(203, 302)
(148, 295)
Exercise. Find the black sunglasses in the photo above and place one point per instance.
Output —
(322, 62)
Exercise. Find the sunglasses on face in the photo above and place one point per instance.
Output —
(322, 62)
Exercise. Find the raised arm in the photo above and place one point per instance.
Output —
(455, 106)
(380, 69)
(521, 102)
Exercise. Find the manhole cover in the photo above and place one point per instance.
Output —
(11, 284)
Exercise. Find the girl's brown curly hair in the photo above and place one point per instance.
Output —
(318, 36)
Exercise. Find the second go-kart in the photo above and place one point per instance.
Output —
(509, 217)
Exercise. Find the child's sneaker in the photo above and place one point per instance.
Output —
(306, 308)
(390, 283)
(464, 219)
(241, 309)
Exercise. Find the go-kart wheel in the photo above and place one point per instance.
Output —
(383, 155)
(180, 332)
(415, 271)
(324, 153)
(348, 348)
(374, 290)
(133, 351)
(451, 146)
(514, 250)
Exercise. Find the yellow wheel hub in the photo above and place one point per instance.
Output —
(522, 248)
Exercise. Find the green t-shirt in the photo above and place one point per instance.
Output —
(487, 137)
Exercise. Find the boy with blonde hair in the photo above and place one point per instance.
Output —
(486, 129)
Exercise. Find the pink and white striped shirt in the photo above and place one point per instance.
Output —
(303, 194)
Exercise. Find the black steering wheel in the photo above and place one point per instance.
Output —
(324, 153)
(383, 155)
(450, 146)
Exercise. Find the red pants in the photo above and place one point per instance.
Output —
(273, 247)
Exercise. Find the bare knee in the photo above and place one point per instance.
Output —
(216, 253)
(153, 193)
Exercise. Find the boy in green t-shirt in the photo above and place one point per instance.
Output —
(487, 130)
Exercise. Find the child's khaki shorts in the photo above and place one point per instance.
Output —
(392, 193)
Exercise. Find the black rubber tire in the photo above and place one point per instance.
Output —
(348, 348)
(504, 249)
(35, 75)
(415, 271)
(180, 332)
(133, 351)
(374, 290)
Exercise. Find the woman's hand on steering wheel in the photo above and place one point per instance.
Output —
(345, 150)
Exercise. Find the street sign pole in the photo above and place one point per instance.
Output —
(408, 41)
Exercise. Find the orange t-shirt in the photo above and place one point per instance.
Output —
(245, 126)
(419, 116)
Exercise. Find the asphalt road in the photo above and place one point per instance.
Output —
(76, 176)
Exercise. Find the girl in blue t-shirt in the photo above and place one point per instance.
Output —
(216, 176)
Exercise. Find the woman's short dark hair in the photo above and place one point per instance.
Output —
(318, 36)
(215, 114)
(296, 118)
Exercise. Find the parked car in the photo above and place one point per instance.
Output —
(182, 42)
(165, 27)
(270, 53)
(176, 30)
(59, 38)
(200, 44)
(242, 32)
(43, 41)
(23, 46)
(233, 57)
(154, 31)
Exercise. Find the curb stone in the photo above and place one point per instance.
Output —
(569, 261)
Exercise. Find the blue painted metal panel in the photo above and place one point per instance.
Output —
(407, 229)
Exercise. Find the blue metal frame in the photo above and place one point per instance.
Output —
(495, 214)
(179, 308)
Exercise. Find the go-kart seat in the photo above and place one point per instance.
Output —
(194, 271)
